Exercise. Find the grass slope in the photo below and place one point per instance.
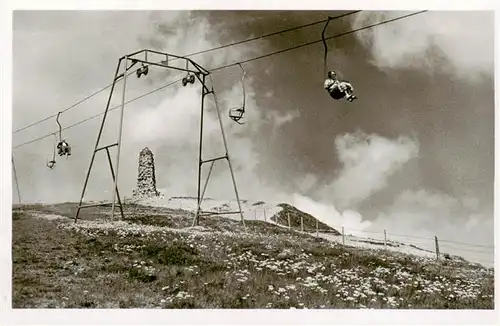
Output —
(155, 260)
(295, 215)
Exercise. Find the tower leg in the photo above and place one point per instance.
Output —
(17, 180)
(115, 178)
(229, 160)
(200, 160)
(98, 139)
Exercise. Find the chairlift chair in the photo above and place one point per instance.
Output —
(236, 114)
(189, 77)
(50, 164)
(63, 148)
(142, 71)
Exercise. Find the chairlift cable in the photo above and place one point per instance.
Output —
(99, 114)
(318, 41)
(246, 61)
(190, 55)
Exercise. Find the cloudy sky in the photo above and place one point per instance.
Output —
(414, 154)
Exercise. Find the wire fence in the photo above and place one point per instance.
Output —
(431, 245)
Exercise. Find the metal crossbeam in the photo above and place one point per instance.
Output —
(214, 159)
(98, 205)
(202, 213)
(106, 147)
(163, 61)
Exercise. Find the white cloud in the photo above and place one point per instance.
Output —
(465, 39)
(328, 214)
(166, 121)
(367, 163)
(172, 125)
(424, 213)
(169, 123)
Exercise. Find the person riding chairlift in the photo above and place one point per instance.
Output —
(339, 89)
(63, 148)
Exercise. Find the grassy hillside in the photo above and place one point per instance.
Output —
(295, 215)
(155, 260)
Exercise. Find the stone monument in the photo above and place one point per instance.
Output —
(146, 180)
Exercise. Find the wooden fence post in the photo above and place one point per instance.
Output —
(437, 246)
(385, 238)
(317, 228)
(265, 216)
(343, 237)
(301, 223)
(288, 216)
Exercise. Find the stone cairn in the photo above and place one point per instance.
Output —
(146, 181)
